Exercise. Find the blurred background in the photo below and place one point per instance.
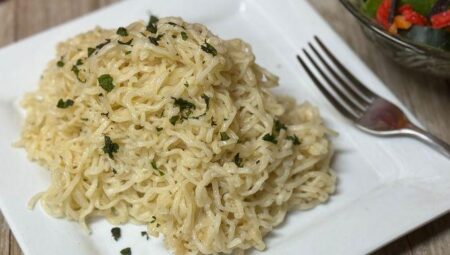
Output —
(426, 96)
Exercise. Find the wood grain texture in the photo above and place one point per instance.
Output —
(4, 237)
(427, 97)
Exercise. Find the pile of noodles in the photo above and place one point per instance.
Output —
(167, 125)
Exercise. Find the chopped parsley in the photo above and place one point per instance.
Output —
(186, 84)
(183, 104)
(122, 31)
(116, 233)
(152, 26)
(155, 40)
(159, 129)
(153, 219)
(101, 45)
(79, 62)
(127, 52)
(174, 36)
(126, 251)
(172, 23)
(64, 104)
(90, 51)
(294, 139)
(125, 43)
(208, 48)
(106, 82)
(173, 120)
(76, 71)
(184, 36)
(98, 47)
(145, 234)
(198, 117)
(114, 171)
(206, 98)
(224, 136)
(238, 160)
(270, 138)
(185, 107)
(60, 63)
(110, 147)
(278, 126)
(155, 167)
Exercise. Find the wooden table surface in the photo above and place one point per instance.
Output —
(427, 97)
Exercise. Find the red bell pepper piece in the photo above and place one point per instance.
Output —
(441, 20)
(412, 16)
(383, 13)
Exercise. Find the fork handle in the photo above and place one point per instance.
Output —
(433, 141)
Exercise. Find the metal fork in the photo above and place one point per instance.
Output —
(359, 104)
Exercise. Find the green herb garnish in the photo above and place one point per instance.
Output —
(173, 120)
(155, 40)
(186, 84)
(127, 52)
(125, 43)
(206, 98)
(106, 82)
(76, 71)
(186, 108)
(159, 129)
(60, 63)
(101, 45)
(198, 117)
(224, 136)
(238, 160)
(79, 62)
(294, 139)
(152, 26)
(145, 234)
(155, 167)
(126, 251)
(278, 126)
(172, 23)
(110, 147)
(208, 48)
(90, 51)
(183, 104)
(153, 219)
(270, 138)
(116, 233)
(64, 104)
(122, 31)
(114, 171)
(184, 36)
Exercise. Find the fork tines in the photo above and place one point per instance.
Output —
(340, 87)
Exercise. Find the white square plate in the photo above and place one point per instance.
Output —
(386, 187)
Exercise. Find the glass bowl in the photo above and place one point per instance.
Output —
(419, 57)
